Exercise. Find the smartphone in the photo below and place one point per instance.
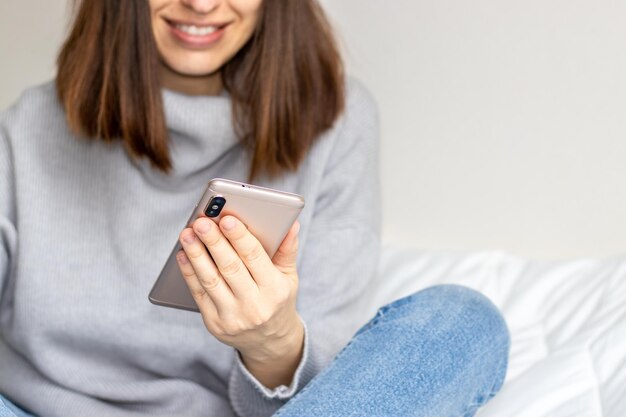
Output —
(267, 213)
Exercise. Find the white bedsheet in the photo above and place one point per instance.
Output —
(567, 322)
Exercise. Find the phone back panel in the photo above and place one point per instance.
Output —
(267, 213)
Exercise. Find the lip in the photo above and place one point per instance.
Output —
(196, 41)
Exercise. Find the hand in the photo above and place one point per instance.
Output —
(246, 299)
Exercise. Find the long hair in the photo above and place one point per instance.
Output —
(286, 83)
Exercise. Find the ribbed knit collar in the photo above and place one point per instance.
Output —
(201, 132)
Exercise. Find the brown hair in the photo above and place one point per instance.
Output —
(286, 83)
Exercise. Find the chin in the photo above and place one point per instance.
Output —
(192, 69)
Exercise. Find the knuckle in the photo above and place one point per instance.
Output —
(218, 330)
(257, 317)
(285, 296)
(195, 256)
(237, 233)
(197, 293)
(280, 294)
(231, 267)
(188, 273)
(257, 321)
(212, 239)
(283, 293)
(232, 328)
(264, 317)
(194, 252)
(209, 282)
(255, 254)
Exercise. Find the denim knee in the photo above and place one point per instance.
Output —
(447, 299)
(467, 317)
(467, 300)
(475, 307)
(477, 316)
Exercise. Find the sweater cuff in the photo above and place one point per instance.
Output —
(250, 397)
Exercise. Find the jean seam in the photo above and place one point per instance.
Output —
(382, 312)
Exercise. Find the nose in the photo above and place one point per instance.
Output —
(202, 6)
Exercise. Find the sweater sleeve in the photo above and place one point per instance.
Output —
(337, 262)
(8, 232)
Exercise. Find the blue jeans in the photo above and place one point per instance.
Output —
(441, 352)
(8, 409)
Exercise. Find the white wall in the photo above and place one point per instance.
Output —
(504, 122)
(31, 31)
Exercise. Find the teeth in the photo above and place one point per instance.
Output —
(196, 30)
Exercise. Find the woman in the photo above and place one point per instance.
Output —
(98, 172)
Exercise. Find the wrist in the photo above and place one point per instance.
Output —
(278, 349)
(276, 365)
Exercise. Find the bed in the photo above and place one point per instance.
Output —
(567, 321)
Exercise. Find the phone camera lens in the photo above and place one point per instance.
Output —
(215, 206)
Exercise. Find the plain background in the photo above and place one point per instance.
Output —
(503, 122)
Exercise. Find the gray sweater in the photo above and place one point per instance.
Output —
(84, 232)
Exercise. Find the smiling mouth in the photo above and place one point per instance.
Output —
(196, 30)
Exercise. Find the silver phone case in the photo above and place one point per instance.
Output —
(267, 213)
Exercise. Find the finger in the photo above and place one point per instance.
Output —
(230, 266)
(249, 250)
(205, 270)
(287, 253)
(199, 294)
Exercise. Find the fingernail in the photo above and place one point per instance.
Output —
(189, 237)
(228, 223)
(297, 227)
(182, 258)
(203, 226)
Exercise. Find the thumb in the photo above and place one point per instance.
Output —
(285, 256)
